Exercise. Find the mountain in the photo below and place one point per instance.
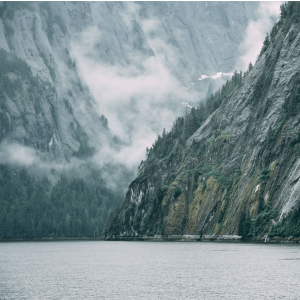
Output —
(174, 41)
(62, 163)
(42, 35)
(228, 170)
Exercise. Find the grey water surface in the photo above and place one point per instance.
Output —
(148, 270)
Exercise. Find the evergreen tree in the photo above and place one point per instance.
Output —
(72, 207)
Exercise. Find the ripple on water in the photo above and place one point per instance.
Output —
(145, 270)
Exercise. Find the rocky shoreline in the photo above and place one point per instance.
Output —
(204, 238)
(165, 238)
(39, 239)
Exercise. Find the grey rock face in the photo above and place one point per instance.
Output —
(39, 34)
(191, 39)
(206, 33)
(250, 118)
(251, 139)
(42, 34)
(51, 117)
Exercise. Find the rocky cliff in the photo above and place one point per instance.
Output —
(42, 33)
(50, 110)
(50, 122)
(238, 173)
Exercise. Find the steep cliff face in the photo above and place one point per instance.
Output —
(50, 108)
(238, 174)
(205, 33)
(177, 42)
(42, 35)
(51, 123)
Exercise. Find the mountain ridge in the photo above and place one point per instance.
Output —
(238, 173)
(54, 124)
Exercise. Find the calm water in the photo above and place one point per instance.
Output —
(148, 270)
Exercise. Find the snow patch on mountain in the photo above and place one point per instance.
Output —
(218, 75)
(186, 104)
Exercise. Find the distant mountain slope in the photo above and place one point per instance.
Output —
(178, 42)
(43, 35)
(231, 168)
(54, 124)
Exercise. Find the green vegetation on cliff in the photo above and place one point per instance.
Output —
(31, 206)
(225, 167)
(169, 144)
(290, 225)
(13, 70)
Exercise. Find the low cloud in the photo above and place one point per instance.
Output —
(268, 14)
(18, 155)
(120, 167)
(135, 84)
(139, 97)
(128, 155)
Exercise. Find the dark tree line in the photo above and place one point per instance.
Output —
(31, 208)
(72, 208)
(10, 63)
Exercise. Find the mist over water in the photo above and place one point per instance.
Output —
(148, 270)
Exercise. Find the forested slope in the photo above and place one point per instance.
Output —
(231, 167)
(73, 207)
(51, 126)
